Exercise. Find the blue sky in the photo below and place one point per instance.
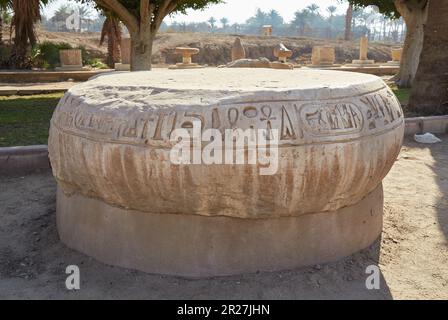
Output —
(238, 10)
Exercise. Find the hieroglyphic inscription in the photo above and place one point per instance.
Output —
(339, 118)
(382, 109)
(294, 120)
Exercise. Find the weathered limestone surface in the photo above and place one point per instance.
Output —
(363, 51)
(195, 246)
(71, 60)
(282, 53)
(238, 51)
(396, 56)
(259, 63)
(323, 56)
(122, 201)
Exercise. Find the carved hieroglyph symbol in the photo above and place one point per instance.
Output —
(332, 118)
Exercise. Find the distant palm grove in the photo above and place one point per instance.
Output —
(311, 21)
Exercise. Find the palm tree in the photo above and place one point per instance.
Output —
(331, 10)
(275, 19)
(212, 22)
(60, 16)
(236, 27)
(3, 8)
(225, 23)
(84, 14)
(26, 13)
(301, 21)
(258, 20)
(313, 8)
(111, 30)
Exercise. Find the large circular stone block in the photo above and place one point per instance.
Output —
(124, 202)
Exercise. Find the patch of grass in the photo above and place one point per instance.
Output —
(402, 94)
(25, 120)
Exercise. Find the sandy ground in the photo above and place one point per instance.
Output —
(412, 253)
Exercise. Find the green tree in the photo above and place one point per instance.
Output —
(143, 19)
(414, 13)
(429, 93)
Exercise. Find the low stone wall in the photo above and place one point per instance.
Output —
(23, 160)
(47, 76)
(420, 125)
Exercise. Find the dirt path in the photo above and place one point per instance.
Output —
(412, 253)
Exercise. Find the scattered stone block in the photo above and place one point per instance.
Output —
(71, 60)
(238, 51)
(267, 30)
(396, 57)
(282, 53)
(323, 56)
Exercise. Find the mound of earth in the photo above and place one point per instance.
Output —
(216, 48)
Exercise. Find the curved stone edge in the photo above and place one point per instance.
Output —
(195, 246)
(23, 160)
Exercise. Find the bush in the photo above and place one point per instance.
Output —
(46, 54)
(5, 53)
(96, 63)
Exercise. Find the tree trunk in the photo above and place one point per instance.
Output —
(1, 26)
(141, 50)
(348, 23)
(429, 94)
(414, 13)
(112, 30)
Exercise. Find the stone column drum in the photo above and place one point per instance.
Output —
(71, 60)
(122, 201)
(186, 54)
